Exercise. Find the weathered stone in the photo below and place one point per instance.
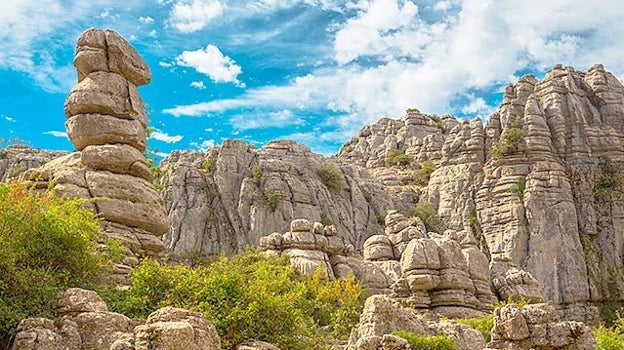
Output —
(120, 159)
(98, 129)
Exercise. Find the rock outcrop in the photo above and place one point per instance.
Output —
(85, 323)
(537, 327)
(539, 185)
(382, 316)
(226, 199)
(106, 122)
(16, 159)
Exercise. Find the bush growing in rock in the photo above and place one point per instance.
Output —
(421, 342)
(47, 245)
(273, 198)
(428, 215)
(396, 157)
(331, 178)
(256, 174)
(509, 141)
(422, 175)
(482, 324)
(611, 338)
(248, 296)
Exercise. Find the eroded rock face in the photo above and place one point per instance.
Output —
(532, 184)
(85, 323)
(217, 204)
(538, 326)
(106, 122)
(16, 159)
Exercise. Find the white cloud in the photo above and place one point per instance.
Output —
(152, 33)
(164, 137)
(260, 120)
(9, 119)
(198, 85)
(202, 145)
(192, 15)
(56, 133)
(443, 5)
(212, 63)
(146, 20)
(165, 64)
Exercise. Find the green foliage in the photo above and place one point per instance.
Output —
(347, 149)
(256, 174)
(368, 197)
(48, 245)
(207, 164)
(482, 324)
(381, 219)
(248, 296)
(421, 342)
(429, 216)
(439, 122)
(610, 179)
(412, 110)
(326, 220)
(396, 157)
(422, 175)
(509, 141)
(518, 188)
(331, 177)
(273, 198)
(611, 338)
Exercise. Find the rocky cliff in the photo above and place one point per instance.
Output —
(540, 183)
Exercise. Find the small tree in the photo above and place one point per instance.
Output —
(509, 141)
(422, 175)
(273, 198)
(428, 215)
(256, 174)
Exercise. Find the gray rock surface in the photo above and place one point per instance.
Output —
(16, 159)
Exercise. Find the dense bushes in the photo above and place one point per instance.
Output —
(396, 157)
(248, 296)
(509, 141)
(611, 338)
(482, 324)
(46, 246)
(421, 342)
(422, 175)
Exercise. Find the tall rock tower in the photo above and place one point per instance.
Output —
(106, 122)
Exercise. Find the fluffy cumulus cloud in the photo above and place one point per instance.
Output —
(190, 16)
(198, 85)
(211, 62)
(394, 54)
(162, 136)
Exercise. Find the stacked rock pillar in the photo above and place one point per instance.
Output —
(106, 122)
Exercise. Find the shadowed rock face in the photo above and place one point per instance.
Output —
(106, 122)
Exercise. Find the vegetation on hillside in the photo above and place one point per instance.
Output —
(422, 342)
(509, 141)
(429, 216)
(248, 296)
(422, 175)
(611, 338)
(332, 178)
(48, 245)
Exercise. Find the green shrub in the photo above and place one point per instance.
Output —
(429, 216)
(610, 338)
(482, 324)
(422, 175)
(381, 219)
(518, 188)
(610, 179)
(331, 177)
(421, 342)
(367, 196)
(47, 245)
(256, 174)
(439, 123)
(509, 141)
(326, 220)
(396, 157)
(207, 164)
(273, 198)
(248, 296)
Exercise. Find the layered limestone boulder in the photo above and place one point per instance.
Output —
(106, 122)
(84, 322)
(309, 246)
(538, 326)
(445, 274)
(383, 315)
(227, 198)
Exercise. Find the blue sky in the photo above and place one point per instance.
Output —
(314, 71)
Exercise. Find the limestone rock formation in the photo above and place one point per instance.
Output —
(539, 185)
(228, 198)
(537, 326)
(382, 315)
(106, 122)
(16, 159)
(85, 323)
